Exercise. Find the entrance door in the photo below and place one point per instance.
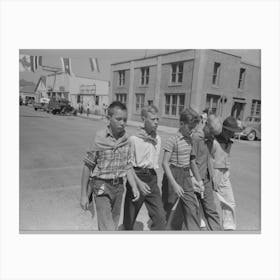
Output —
(237, 110)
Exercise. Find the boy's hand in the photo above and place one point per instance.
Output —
(201, 186)
(144, 188)
(196, 185)
(178, 190)
(84, 202)
(136, 194)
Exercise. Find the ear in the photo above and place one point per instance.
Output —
(143, 118)
(181, 123)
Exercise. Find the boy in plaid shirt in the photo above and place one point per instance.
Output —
(106, 165)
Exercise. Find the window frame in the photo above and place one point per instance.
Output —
(121, 95)
(144, 76)
(121, 78)
(241, 79)
(216, 74)
(141, 104)
(176, 73)
(174, 102)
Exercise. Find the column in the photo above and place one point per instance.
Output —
(158, 80)
(130, 92)
(200, 60)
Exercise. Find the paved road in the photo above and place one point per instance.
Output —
(51, 154)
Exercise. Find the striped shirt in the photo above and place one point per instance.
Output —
(110, 163)
(180, 150)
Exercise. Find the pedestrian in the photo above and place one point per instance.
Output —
(145, 151)
(202, 139)
(88, 109)
(220, 151)
(177, 191)
(106, 166)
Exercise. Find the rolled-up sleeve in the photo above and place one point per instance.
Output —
(90, 159)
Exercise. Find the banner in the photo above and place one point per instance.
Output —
(29, 62)
(94, 64)
(66, 65)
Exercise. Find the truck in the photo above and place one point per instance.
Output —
(61, 107)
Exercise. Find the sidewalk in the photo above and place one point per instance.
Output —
(166, 129)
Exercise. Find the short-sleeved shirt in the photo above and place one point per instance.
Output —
(181, 151)
(143, 153)
(109, 163)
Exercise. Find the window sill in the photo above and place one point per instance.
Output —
(240, 90)
(215, 86)
(175, 84)
(143, 86)
(170, 117)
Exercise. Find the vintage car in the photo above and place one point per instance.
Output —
(251, 128)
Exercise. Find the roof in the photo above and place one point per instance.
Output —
(42, 79)
(183, 50)
(28, 89)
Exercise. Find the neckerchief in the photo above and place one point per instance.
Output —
(108, 142)
(151, 138)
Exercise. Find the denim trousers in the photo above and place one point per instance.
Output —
(226, 198)
(152, 202)
(108, 201)
(208, 207)
(186, 209)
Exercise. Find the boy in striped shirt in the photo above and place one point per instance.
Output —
(177, 189)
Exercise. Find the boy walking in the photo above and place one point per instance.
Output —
(201, 139)
(177, 190)
(106, 165)
(145, 150)
(221, 151)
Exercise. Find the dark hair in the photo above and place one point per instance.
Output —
(190, 117)
(116, 104)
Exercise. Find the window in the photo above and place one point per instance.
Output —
(121, 97)
(97, 100)
(140, 100)
(216, 74)
(121, 77)
(174, 104)
(241, 80)
(256, 108)
(145, 75)
(177, 72)
(212, 102)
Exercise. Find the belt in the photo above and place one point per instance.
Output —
(143, 170)
(185, 168)
(115, 181)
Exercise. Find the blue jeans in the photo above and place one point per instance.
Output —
(108, 201)
(152, 201)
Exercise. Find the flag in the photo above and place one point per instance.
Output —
(24, 63)
(66, 65)
(94, 64)
(29, 62)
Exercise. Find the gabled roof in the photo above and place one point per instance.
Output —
(28, 89)
(42, 79)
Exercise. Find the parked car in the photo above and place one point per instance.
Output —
(251, 128)
(40, 106)
(61, 107)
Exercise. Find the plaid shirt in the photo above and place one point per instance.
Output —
(109, 164)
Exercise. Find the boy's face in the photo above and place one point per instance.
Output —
(151, 122)
(118, 121)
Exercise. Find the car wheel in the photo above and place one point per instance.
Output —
(251, 136)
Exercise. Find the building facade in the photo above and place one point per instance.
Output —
(78, 90)
(197, 79)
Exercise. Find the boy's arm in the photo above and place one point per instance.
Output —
(165, 165)
(84, 201)
(131, 176)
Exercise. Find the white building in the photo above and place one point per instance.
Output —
(78, 90)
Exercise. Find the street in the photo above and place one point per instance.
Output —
(51, 160)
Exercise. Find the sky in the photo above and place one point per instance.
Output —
(80, 59)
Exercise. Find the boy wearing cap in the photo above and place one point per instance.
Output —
(145, 150)
(220, 151)
(106, 165)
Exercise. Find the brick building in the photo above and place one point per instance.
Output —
(198, 79)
